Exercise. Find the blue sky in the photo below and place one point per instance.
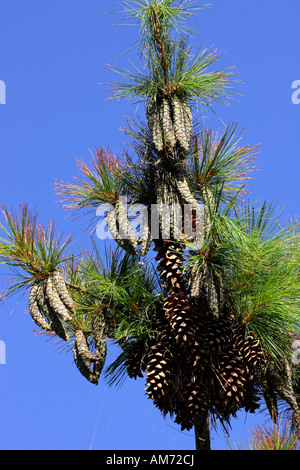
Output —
(52, 59)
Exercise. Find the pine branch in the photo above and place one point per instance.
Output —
(100, 183)
(220, 163)
(30, 246)
(169, 66)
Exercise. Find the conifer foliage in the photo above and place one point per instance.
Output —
(208, 325)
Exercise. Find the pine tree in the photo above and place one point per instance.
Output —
(209, 328)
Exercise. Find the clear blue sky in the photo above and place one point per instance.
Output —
(53, 56)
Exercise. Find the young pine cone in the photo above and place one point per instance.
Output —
(35, 311)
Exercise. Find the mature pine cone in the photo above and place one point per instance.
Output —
(160, 377)
(197, 399)
(164, 332)
(238, 358)
(192, 402)
(184, 418)
(217, 334)
(232, 377)
(251, 396)
(169, 258)
(180, 316)
(251, 350)
(217, 361)
(135, 362)
(215, 374)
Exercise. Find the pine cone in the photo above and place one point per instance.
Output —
(280, 379)
(179, 313)
(55, 301)
(183, 124)
(121, 229)
(197, 399)
(100, 344)
(209, 209)
(231, 383)
(251, 350)
(81, 366)
(170, 123)
(135, 362)
(160, 377)
(60, 286)
(34, 310)
(54, 321)
(170, 265)
(154, 123)
(83, 357)
(146, 238)
(167, 124)
(211, 291)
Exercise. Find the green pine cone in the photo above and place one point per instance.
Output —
(62, 290)
(127, 244)
(154, 123)
(101, 352)
(100, 344)
(162, 195)
(55, 323)
(197, 283)
(125, 228)
(187, 121)
(182, 117)
(185, 192)
(82, 348)
(211, 291)
(175, 214)
(83, 369)
(35, 311)
(84, 357)
(167, 124)
(55, 302)
(209, 208)
(146, 239)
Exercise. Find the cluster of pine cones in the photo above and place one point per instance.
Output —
(203, 364)
(170, 122)
(52, 309)
(197, 363)
(50, 304)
